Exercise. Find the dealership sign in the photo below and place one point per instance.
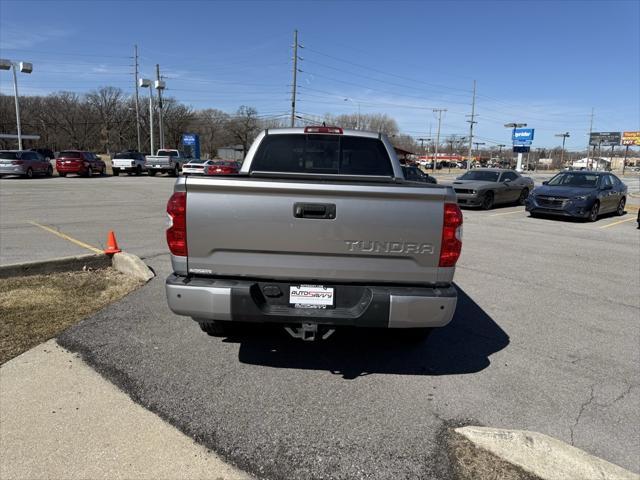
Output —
(605, 139)
(522, 136)
(631, 138)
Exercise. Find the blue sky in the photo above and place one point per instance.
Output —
(545, 63)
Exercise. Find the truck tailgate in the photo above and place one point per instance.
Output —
(249, 227)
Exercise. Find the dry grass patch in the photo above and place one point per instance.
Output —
(36, 308)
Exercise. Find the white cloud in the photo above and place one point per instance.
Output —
(16, 37)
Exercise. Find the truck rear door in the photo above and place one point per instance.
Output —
(319, 226)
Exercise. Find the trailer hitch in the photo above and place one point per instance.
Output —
(307, 332)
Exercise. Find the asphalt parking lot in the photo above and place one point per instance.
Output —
(545, 338)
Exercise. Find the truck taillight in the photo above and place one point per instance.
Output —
(451, 235)
(323, 129)
(177, 231)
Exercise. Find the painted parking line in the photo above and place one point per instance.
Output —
(67, 237)
(618, 222)
(506, 213)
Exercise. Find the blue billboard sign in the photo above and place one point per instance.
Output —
(188, 139)
(191, 144)
(522, 135)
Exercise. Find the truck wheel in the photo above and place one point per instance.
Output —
(50, 171)
(216, 328)
(151, 173)
(116, 172)
(176, 171)
(89, 172)
(138, 170)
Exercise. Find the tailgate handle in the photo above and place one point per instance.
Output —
(314, 210)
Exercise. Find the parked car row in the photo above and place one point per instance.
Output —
(578, 194)
(28, 163)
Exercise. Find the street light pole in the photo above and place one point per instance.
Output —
(25, 67)
(15, 92)
(146, 83)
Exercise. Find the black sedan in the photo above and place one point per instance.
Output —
(581, 194)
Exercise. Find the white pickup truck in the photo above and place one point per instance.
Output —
(319, 229)
(130, 162)
(166, 161)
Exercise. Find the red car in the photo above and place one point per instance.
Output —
(222, 167)
(79, 162)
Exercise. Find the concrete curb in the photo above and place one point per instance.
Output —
(125, 263)
(64, 264)
(481, 452)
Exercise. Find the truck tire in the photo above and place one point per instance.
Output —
(216, 328)
(175, 172)
(116, 172)
(151, 172)
(138, 170)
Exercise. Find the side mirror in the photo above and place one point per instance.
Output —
(508, 180)
(545, 182)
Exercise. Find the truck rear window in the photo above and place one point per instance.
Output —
(323, 154)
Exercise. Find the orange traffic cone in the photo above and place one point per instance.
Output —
(112, 244)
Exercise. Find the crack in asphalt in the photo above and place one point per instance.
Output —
(582, 409)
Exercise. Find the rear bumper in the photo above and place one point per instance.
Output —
(356, 305)
(126, 168)
(157, 166)
(13, 170)
(71, 169)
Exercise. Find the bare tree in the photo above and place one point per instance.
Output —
(244, 126)
(108, 102)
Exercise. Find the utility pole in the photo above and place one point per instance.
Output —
(564, 138)
(435, 156)
(295, 78)
(135, 56)
(500, 146)
(589, 139)
(159, 87)
(471, 122)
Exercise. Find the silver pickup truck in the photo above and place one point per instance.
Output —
(320, 229)
(166, 160)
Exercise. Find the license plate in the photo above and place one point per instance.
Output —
(311, 296)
